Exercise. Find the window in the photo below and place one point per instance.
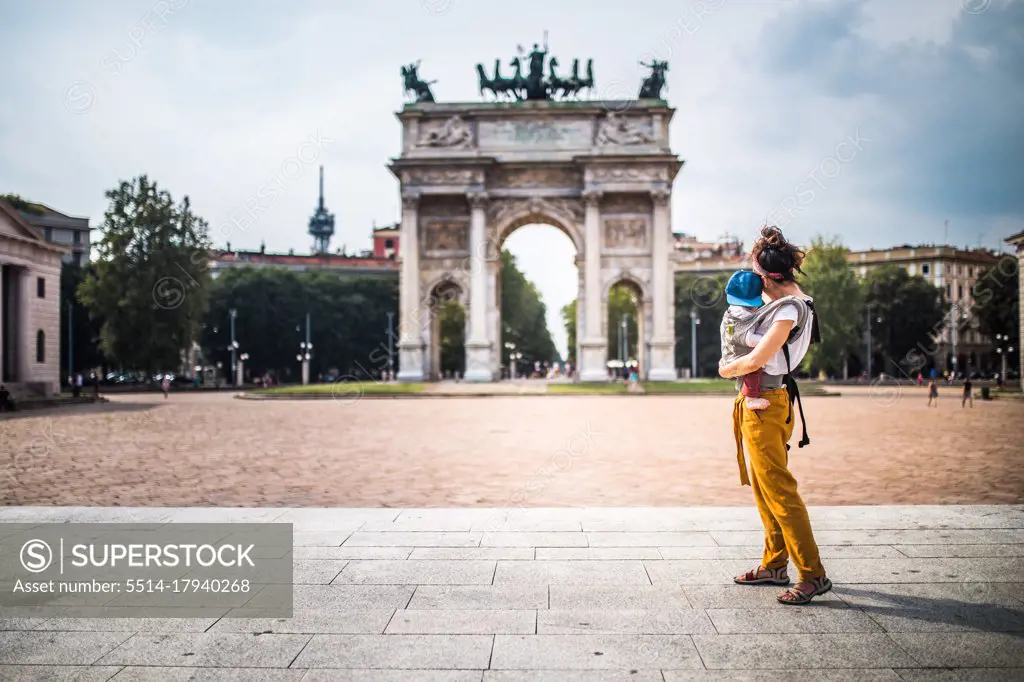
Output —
(41, 287)
(40, 346)
(48, 233)
(959, 269)
(949, 291)
(389, 243)
(970, 271)
(76, 237)
(925, 269)
(959, 291)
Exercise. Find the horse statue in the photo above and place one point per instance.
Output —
(518, 80)
(413, 83)
(556, 84)
(652, 85)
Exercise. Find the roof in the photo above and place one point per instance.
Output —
(322, 260)
(28, 232)
(1016, 239)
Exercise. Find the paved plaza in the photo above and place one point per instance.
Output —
(868, 447)
(532, 595)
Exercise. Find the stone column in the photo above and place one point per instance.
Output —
(26, 334)
(479, 365)
(410, 324)
(663, 336)
(592, 364)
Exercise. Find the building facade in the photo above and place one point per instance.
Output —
(29, 306)
(954, 272)
(1017, 242)
(386, 240)
(59, 228)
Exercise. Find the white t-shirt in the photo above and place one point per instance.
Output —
(776, 365)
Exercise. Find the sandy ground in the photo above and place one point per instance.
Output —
(868, 447)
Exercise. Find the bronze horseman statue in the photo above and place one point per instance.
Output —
(414, 84)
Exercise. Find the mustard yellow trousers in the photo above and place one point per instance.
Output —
(787, 527)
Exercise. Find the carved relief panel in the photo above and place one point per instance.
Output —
(534, 178)
(625, 233)
(597, 175)
(446, 235)
(450, 133)
(443, 176)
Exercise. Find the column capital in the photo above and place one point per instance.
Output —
(477, 199)
(591, 197)
(410, 200)
(660, 196)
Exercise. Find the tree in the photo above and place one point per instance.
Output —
(907, 312)
(838, 297)
(453, 337)
(705, 295)
(348, 321)
(85, 330)
(523, 315)
(623, 303)
(996, 295)
(569, 320)
(151, 282)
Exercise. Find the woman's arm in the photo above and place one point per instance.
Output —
(770, 344)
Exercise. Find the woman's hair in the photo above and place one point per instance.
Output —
(777, 257)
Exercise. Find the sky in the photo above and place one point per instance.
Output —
(876, 121)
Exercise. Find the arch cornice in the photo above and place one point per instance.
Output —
(628, 276)
(565, 214)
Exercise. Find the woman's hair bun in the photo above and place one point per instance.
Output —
(771, 237)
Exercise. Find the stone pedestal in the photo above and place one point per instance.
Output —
(593, 363)
(478, 362)
(662, 361)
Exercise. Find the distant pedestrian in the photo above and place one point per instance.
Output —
(165, 386)
(933, 393)
(920, 379)
(76, 389)
(968, 394)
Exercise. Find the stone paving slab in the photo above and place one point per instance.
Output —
(537, 594)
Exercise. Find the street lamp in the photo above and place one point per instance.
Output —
(234, 344)
(240, 374)
(1004, 350)
(511, 359)
(391, 354)
(305, 350)
(694, 321)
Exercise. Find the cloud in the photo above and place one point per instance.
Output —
(945, 116)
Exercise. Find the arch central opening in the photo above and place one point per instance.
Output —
(539, 284)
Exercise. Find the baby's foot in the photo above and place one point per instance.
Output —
(758, 403)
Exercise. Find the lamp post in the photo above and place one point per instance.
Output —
(867, 340)
(1004, 350)
(305, 350)
(694, 321)
(625, 338)
(240, 374)
(511, 359)
(234, 344)
(391, 354)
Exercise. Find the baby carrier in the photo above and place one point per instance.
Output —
(804, 310)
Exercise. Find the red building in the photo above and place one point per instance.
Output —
(385, 241)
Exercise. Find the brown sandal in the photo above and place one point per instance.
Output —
(776, 576)
(797, 597)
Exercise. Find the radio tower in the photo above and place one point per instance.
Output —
(321, 225)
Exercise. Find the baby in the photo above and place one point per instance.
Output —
(743, 293)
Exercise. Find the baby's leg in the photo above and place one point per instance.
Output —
(752, 392)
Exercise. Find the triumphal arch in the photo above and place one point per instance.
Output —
(471, 173)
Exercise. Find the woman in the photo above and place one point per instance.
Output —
(766, 433)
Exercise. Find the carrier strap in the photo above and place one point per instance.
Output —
(794, 394)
